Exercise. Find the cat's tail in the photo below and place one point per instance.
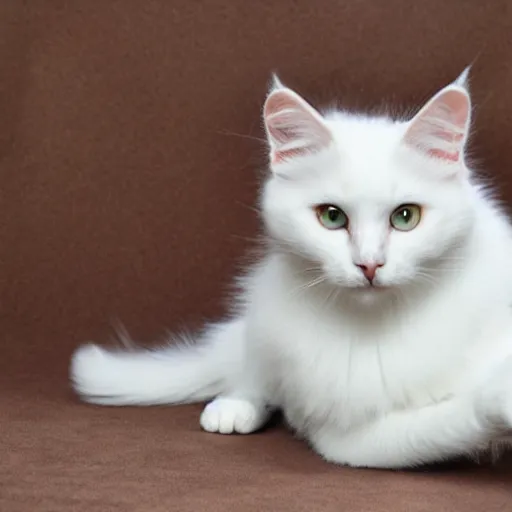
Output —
(181, 373)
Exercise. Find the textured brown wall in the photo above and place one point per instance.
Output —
(122, 193)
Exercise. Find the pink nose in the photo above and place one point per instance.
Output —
(369, 269)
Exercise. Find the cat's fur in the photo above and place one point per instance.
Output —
(414, 369)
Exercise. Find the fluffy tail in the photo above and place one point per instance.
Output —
(178, 374)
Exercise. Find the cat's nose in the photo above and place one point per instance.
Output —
(369, 269)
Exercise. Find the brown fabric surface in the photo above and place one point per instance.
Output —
(125, 195)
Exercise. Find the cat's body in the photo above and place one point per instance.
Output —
(383, 347)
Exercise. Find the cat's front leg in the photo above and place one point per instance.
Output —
(408, 438)
(460, 425)
(243, 408)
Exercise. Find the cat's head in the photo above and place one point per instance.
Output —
(374, 203)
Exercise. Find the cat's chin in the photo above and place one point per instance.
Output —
(369, 294)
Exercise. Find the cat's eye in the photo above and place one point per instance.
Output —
(406, 217)
(331, 217)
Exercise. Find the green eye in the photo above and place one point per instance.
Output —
(331, 217)
(406, 217)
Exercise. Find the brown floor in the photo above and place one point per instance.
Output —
(62, 455)
(127, 165)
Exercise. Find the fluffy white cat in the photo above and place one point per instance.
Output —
(379, 320)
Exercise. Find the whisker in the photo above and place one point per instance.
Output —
(246, 238)
(241, 135)
(249, 207)
(441, 269)
(428, 279)
(446, 258)
(308, 285)
(308, 270)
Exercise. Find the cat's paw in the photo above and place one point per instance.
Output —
(233, 416)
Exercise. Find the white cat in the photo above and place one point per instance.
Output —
(379, 320)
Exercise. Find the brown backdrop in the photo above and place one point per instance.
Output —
(128, 157)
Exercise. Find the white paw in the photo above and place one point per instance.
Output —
(232, 415)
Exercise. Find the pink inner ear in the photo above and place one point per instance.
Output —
(294, 128)
(440, 128)
(282, 134)
(278, 157)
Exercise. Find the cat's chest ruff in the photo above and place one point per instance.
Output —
(328, 368)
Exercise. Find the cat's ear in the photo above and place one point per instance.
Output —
(293, 127)
(441, 128)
